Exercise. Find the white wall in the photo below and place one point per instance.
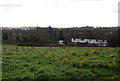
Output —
(99, 42)
(61, 42)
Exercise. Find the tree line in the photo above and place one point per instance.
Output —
(49, 35)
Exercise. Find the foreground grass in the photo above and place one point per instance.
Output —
(60, 62)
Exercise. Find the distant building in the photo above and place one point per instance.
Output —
(20, 37)
(13, 37)
(16, 37)
(61, 42)
(89, 41)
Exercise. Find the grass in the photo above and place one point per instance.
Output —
(60, 62)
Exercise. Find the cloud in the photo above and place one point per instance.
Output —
(116, 10)
(85, 0)
(10, 5)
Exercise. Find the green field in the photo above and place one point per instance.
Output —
(60, 62)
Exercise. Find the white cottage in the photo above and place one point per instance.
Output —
(61, 42)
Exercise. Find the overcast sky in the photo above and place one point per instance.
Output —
(58, 13)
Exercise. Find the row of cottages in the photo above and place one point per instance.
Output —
(89, 41)
(17, 37)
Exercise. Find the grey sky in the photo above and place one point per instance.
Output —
(58, 13)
